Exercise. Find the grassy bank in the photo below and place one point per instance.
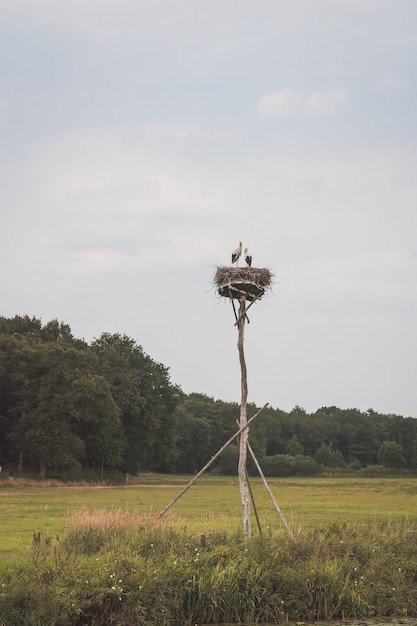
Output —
(111, 568)
(84, 555)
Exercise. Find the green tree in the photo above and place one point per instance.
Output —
(22, 326)
(55, 411)
(301, 424)
(221, 417)
(193, 442)
(294, 447)
(146, 398)
(43, 431)
(327, 457)
(274, 436)
(16, 390)
(390, 455)
(98, 423)
(228, 461)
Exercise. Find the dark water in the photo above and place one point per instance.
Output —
(381, 621)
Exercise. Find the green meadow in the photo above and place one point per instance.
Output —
(211, 504)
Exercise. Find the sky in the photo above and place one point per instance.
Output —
(141, 140)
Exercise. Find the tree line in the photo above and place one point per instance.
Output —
(106, 407)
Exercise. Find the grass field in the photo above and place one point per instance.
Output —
(212, 503)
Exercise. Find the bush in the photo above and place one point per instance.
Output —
(304, 466)
(277, 465)
(287, 465)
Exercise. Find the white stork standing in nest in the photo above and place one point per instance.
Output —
(236, 254)
(248, 257)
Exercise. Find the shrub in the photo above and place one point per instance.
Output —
(304, 466)
(277, 465)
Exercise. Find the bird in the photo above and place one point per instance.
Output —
(248, 257)
(236, 253)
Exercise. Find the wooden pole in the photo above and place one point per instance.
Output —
(233, 305)
(247, 309)
(275, 503)
(243, 483)
(252, 498)
(234, 310)
(207, 465)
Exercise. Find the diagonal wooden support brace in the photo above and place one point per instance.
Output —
(207, 465)
(246, 309)
(271, 495)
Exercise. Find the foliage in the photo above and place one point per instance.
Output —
(390, 455)
(287, 465)
(67, 407)
(327, 457)
(146, 398)
(111, 570)
(65, 404)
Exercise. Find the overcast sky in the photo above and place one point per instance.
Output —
(140, 140)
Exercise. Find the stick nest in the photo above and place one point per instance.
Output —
(235, 282)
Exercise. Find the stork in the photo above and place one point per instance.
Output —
(248, 257)
(236, 253)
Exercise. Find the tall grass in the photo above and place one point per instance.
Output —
(213, 504)
(112, 568)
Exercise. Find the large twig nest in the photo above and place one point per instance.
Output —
(235, 282)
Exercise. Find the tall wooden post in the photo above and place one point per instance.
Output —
(243, 482)
(243, 284)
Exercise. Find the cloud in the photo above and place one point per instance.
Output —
(290, 103)
(345, 71)
(98, 260)
(182, 19)
(364, 277)
(136, 168)
(393, 82)
(115, 199)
